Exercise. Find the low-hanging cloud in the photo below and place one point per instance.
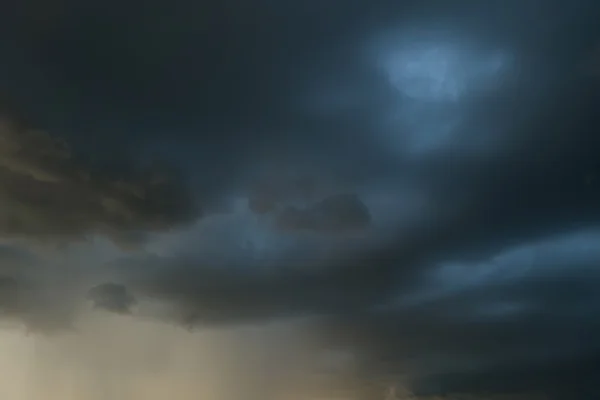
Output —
(112, 297)
(198, 294)
(50, 195)
(509, 309)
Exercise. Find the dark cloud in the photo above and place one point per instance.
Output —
(480, 107)
(334, 214)
(29, 298)
(229, 295)
(209, 77)
(516, 324)
(571, 376)
(48, 194)
(278, 188)
(262, 205)
(35, 305)
(12, 294)
(112, 297)
(15, 259)
(520, 314)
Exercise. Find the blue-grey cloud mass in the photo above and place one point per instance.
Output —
(418, 182)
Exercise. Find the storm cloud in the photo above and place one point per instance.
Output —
(50, 195)
(416, 182)
(337, 213)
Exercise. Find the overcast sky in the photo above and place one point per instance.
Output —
(229, 198)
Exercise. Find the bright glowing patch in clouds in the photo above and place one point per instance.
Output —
(441, 71)
(433, 77)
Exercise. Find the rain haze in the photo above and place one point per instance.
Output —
(277, 200)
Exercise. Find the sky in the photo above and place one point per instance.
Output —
(299, 200)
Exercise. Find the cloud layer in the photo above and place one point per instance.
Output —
(48, 194)
(415, 184)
